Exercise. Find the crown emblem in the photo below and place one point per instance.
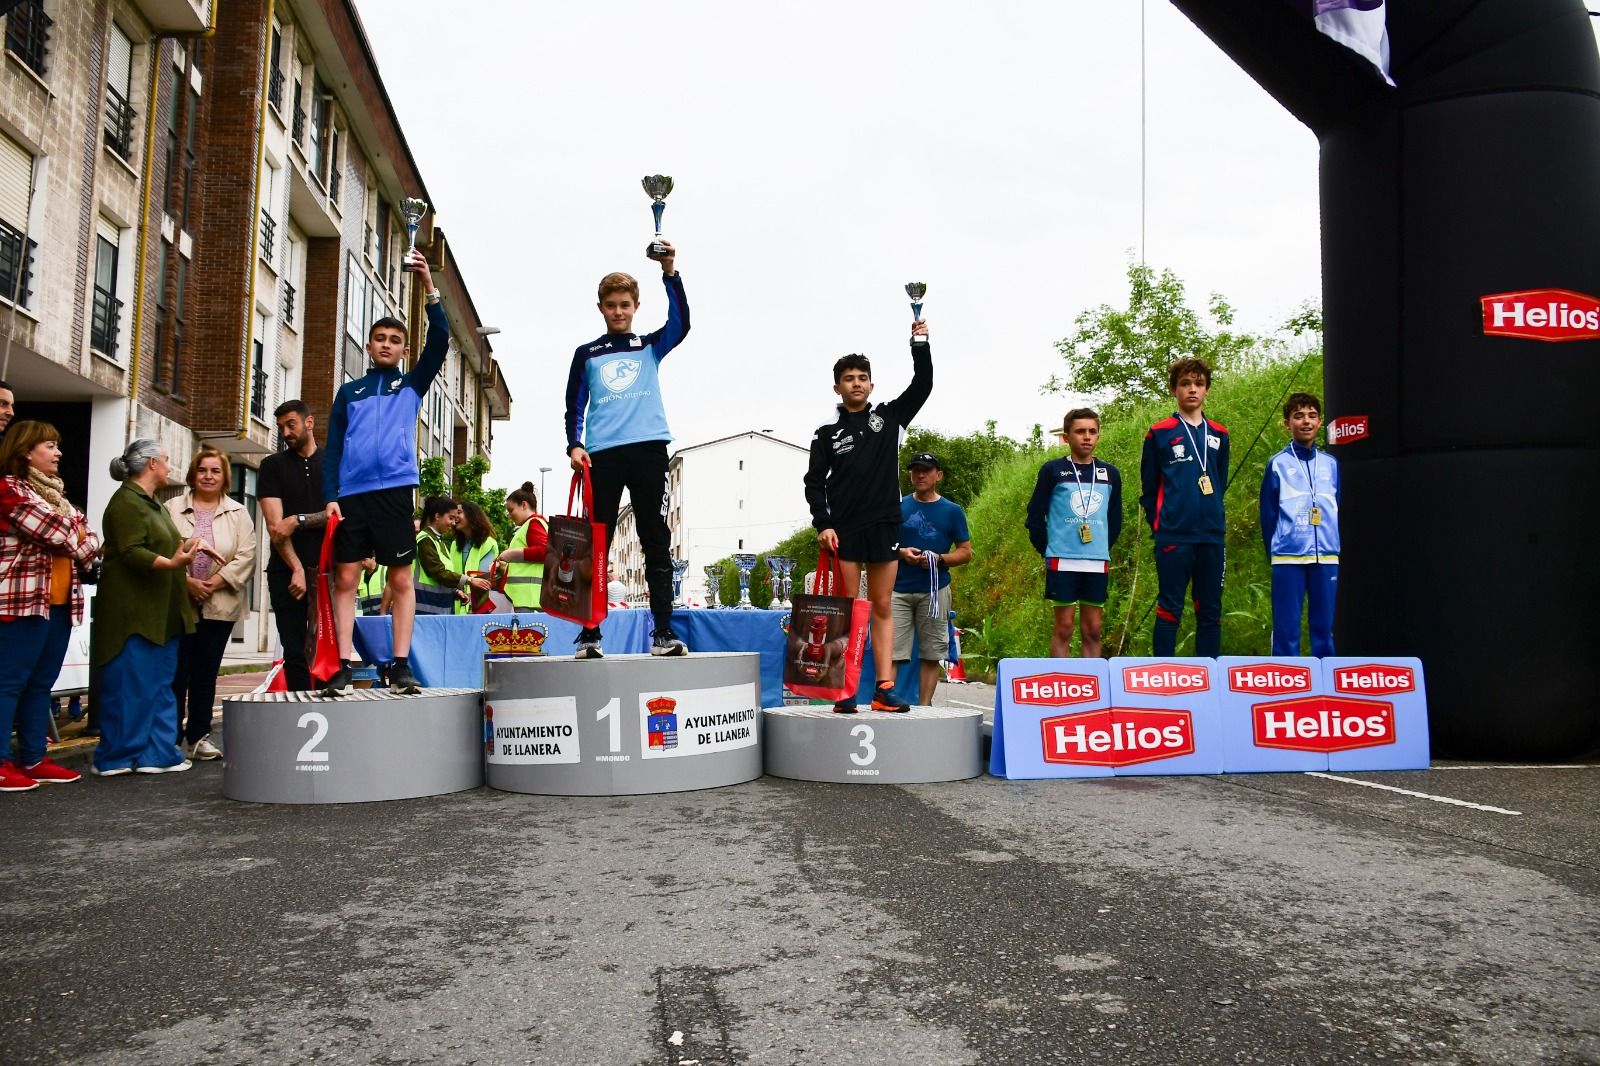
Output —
(662, 705)
(503, 641)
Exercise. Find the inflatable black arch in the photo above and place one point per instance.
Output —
(1472, 534)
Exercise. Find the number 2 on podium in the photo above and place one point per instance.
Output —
(612, 712)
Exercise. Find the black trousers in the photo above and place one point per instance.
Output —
(642, 470)
(195, 686)
(294, 619)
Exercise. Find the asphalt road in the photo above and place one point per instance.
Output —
(1238, 919)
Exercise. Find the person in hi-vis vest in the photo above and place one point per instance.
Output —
(439, 579)
(475, 540)
(524, 559)
(372, 588)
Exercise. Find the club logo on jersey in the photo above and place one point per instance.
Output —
(394, 386)
(619, 374)
(1085, 502)
(875, 422)
(1178, 452)
(1213, 442)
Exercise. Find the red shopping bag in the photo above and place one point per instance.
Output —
(493, 600)
(575, 575)
(827, 638)
(325, 663)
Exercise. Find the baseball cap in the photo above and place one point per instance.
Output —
(924, 459)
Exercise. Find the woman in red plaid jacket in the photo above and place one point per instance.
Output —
(45, 545)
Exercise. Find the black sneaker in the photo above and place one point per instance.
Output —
(845, 707)
(666, 642)
(588, 644)
(402, 681)
(337, 685)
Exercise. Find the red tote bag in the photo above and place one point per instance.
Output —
(575, 574)
(827, 638)
(325, 662)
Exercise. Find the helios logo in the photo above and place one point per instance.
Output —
(1166, 679)
(1374, 679)
(1542, 315)
(1117, 736)
(1323, 724)
(1269, 678)
(1055, 690)
(1346, 428)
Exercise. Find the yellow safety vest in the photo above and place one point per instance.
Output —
(523, 580)
(432, 597)
(477, 557)
(369, 590)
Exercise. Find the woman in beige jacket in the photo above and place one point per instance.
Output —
(219, 590)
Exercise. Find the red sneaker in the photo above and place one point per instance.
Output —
(47, 772)
(14, 780)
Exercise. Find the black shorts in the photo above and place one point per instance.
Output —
(874, 544)
(380, 523)
(1069, 588)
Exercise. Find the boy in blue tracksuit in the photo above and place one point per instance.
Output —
(369, 475)
(1183, 473)
(617, 424)
(1300, 529)
(1074, 517)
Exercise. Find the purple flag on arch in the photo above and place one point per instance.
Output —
(1359, 25)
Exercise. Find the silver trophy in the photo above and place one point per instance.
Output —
(781, 566)
(916, 290)
(714, 585)
(746, 563)
(679, 568)
(658, 186)
(412, 209)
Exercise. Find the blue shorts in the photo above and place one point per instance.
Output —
(1068, 588)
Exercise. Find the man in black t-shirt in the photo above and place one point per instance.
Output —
(289, 489)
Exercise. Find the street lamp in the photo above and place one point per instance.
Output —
(484, 332)
(543, 470)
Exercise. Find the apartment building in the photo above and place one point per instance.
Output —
(198, 220)
(742, 493)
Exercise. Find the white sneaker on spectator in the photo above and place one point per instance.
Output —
(175, 768)
(204, 750)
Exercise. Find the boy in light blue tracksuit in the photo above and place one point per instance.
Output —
(1300, 529)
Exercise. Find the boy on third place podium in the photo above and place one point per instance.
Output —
(617, 423)
(1300, 529)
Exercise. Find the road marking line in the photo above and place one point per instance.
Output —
(974, 706)
(1410, 792)
(1525, 766)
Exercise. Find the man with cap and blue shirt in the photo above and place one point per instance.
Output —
(933, 538)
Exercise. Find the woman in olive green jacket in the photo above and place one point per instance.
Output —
(141, 611)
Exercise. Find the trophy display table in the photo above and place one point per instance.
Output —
(296, 747)
(922, 744)
(622, 725)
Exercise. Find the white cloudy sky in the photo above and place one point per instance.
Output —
(825, 154)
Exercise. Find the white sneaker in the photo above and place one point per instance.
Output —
(115, 771)
(175, 768)
(204, 750)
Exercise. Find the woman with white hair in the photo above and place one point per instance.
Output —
(142, 611)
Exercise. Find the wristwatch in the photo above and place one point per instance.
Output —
(432, 297)
(300, 518)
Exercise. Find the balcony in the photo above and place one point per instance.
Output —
(105, 321)
(119, 124)
(269, 234)
(275, 89)
(176, 16)
(288, 302)
(16, 265)
(28, 34)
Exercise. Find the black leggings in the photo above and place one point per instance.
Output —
(199, 659)
(642, 470)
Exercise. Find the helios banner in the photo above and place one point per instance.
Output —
(1542, 315)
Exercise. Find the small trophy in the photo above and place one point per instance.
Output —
(746, 563)
(658, 186)
(679, 568)
(916, 290)
(781, 566)
(714, 585)
(412, 209)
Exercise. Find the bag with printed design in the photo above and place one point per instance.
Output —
(827, 637)
(575, 574)
(325, 658)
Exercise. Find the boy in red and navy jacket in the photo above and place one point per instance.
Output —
(1183, 474)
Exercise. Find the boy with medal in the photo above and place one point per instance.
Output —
(1183, 474)
(1074, 517)
(1300, 529)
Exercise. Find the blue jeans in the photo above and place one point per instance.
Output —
(1292, 584)
(138, 713)
(31, 651)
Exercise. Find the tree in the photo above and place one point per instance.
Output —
(966, 459)
(1122, 355)
(468, 485)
